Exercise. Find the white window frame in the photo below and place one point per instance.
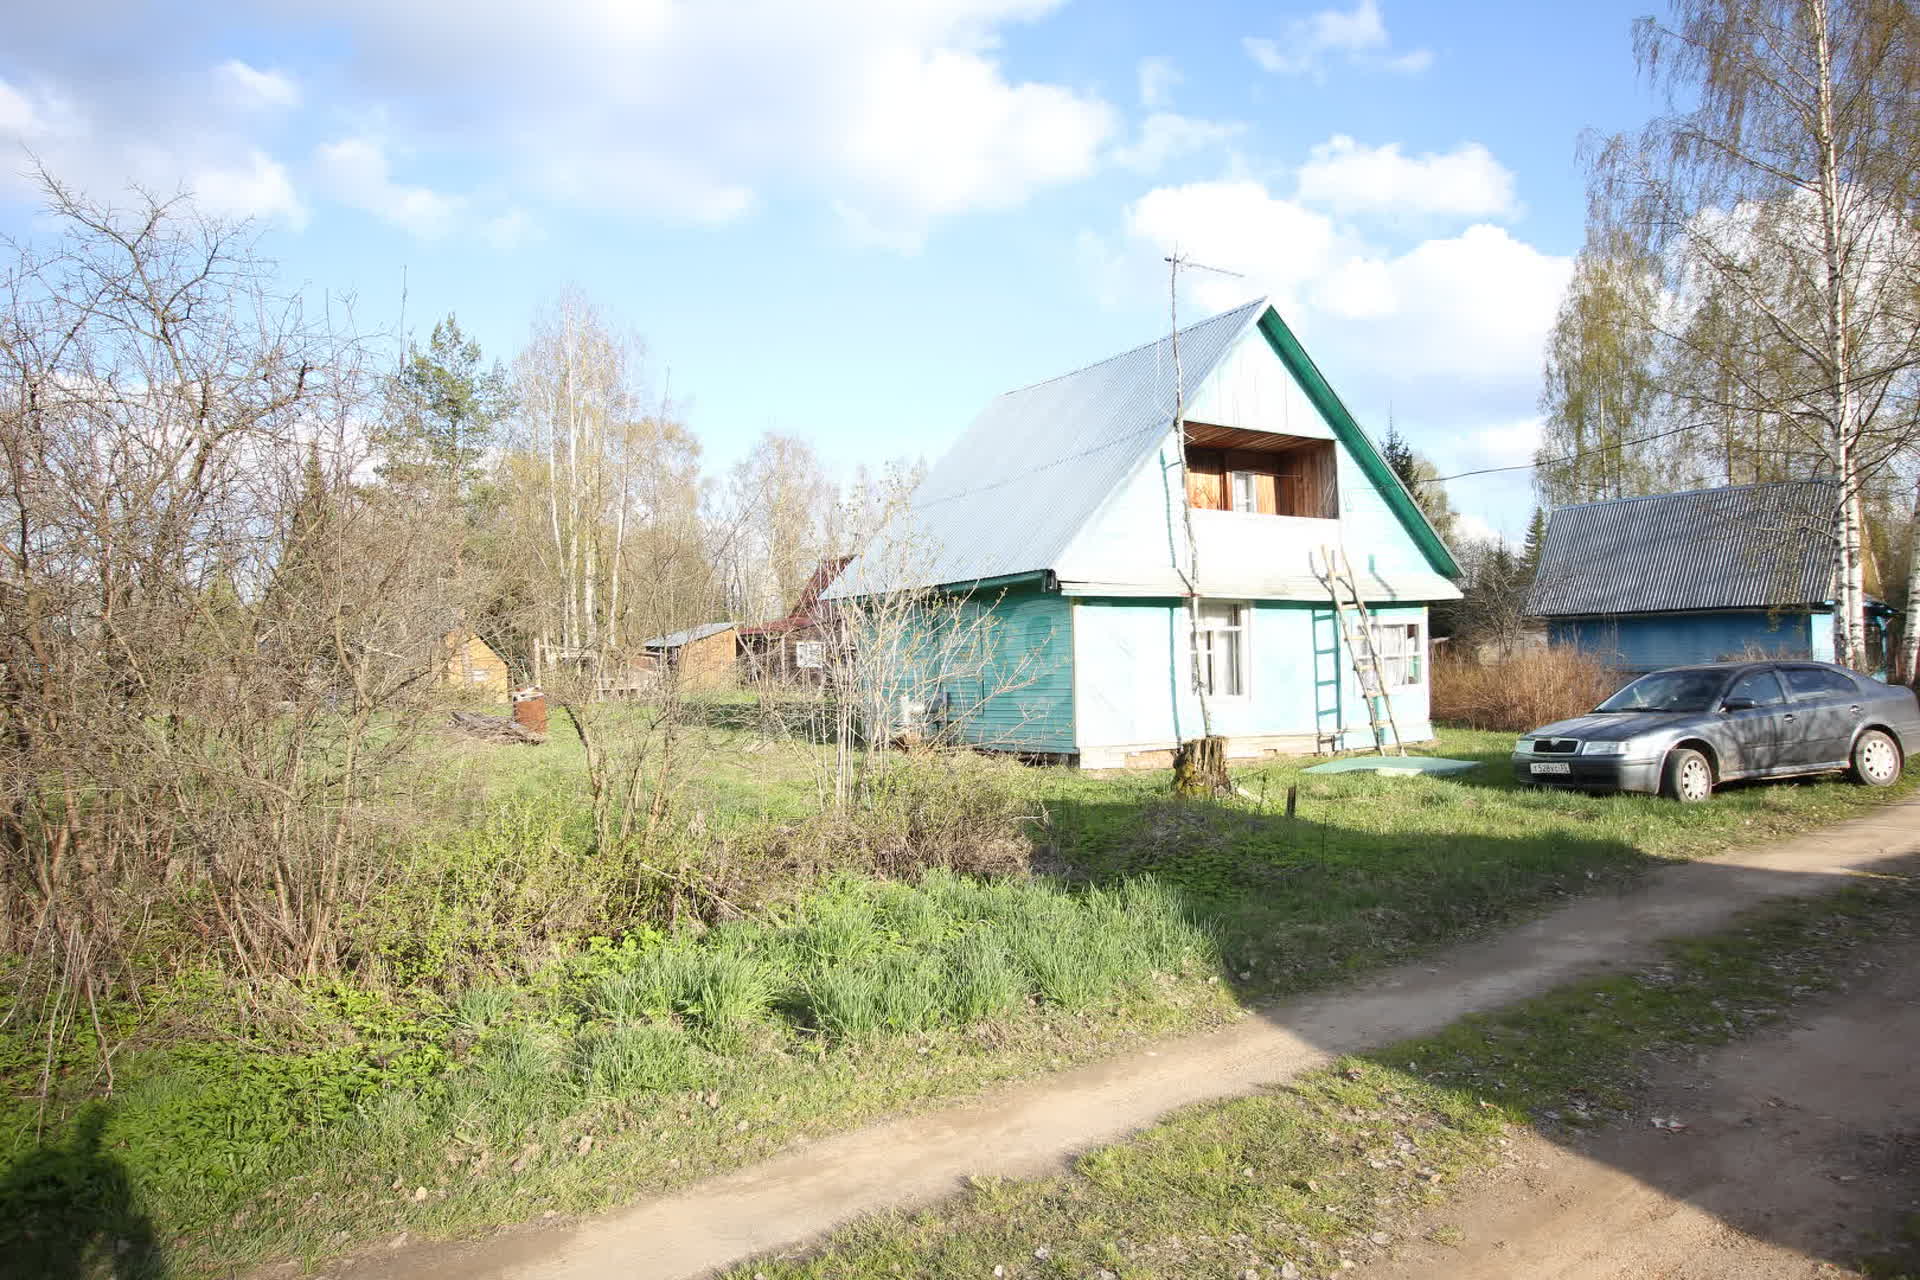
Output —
(1243, 492)
(1403, 664)
(809, 655)
(1238, 623)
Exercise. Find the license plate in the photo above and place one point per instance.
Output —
(1552, 768)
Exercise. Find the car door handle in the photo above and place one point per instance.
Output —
(1786, 715)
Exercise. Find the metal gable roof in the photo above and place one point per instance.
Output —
(1037, 462)
(1743, 547)
(675, 639)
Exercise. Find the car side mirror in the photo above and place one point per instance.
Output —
(1738, 704)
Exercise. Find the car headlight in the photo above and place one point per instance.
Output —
(1523, 747)
(1603, 748)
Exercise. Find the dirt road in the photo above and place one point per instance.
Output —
(1800, 1157)
(1035, 1128)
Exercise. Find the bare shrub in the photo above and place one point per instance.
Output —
(1521, 692)
(215, 640)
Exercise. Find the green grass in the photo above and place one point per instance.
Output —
(1374, 870)
(1305, 1175)
(637, 1065)
(503, 1088)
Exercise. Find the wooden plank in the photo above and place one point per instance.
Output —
(1206, 480)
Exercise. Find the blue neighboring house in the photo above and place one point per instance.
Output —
(1061, 515)
(1674, 578)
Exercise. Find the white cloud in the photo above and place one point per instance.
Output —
(1465, 315)
(1165, 136)
(251, 89)
(1469, 527)
(1475, 306)
(1279, 245)
(901, 114)
(510, 230)
(258, 189)
(89, 146)
(946, 133)
(1350, 178)
(1357, 37)
(357, 172)
(19, 121)
(1158, 79)
(898, 114)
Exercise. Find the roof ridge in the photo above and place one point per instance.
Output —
(1691, 493)
(1259, 302)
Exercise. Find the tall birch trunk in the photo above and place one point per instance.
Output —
(1850, 585)
(1910, 626)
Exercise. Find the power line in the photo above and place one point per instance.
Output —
(1548, 462)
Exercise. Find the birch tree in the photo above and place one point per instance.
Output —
(600, 542)
(1780, 192)
(1600, 395)
(779, 505)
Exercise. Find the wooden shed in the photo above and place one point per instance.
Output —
(798, 646)
(471, 663)
(701, 657)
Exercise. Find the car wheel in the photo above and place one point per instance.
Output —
(1687, 778)
(1876, 759)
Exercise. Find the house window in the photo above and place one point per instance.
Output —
(1397, 644)
(1223, 649)
(1246, 492)
(810, 655)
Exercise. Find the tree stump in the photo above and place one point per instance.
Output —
(1200, 768)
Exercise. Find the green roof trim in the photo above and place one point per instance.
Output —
(1314, 383)
(1038, 576)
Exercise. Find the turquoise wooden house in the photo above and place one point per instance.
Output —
(1060, 519)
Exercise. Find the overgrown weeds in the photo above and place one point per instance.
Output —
(1522, 691)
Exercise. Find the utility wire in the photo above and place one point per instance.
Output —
(1548, 462)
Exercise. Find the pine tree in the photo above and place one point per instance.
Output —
(444, 410)
(1536, 542)
(1399, 455)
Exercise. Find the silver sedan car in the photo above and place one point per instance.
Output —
(1684, 731)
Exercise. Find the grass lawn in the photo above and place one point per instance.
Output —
(632, 1064)
(1298, 1180)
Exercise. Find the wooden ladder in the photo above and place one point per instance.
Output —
(1355, 626)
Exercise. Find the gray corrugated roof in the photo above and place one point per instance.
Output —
(674, 639)
(1744, 547)
(1015, 488)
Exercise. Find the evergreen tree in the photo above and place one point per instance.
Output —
(1536, 542)
(445, 409)
(1400, 456)
(1421, 479)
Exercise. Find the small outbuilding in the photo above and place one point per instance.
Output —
(1700, 576)
(798, 646)
(471, 663)
(701, 657)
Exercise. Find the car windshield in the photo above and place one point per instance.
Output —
(1667, 691)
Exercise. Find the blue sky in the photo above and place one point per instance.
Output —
(856, 221)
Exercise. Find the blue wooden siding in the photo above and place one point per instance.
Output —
(1013, 690)
(1651, 641)
(1134, 688)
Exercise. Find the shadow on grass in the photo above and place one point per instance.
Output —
(69, 1211)
(1297, 901)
